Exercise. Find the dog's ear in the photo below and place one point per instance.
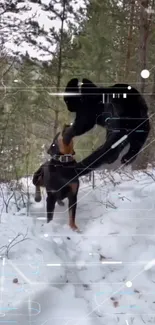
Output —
(72, 96)
(87, 86)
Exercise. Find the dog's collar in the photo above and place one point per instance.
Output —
(63, 158)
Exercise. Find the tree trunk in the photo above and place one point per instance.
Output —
(144, 34)
(130, 32)
(121, 69)
(56, 121)
(145, 22)
(152, 121)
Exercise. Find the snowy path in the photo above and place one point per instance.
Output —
(96, 277)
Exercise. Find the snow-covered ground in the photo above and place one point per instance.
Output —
(103, 275)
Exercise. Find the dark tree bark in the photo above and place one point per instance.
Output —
(146, 156)
(56, 121)
(129, 43)
(145, 23)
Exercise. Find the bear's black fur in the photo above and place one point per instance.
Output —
(120, 109)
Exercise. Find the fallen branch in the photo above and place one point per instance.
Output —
(149, 174)
(8, 247)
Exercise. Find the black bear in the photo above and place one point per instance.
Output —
(120, 109)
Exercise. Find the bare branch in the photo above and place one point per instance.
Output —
(8, 247)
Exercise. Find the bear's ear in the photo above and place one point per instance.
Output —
(87, 86)
(72, 86)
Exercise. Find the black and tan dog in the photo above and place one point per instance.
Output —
(59, 177)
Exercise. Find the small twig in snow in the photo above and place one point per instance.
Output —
(142, 319)
(124, 197)
(13, 243)
(149, 174)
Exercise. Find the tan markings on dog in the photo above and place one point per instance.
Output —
(64, 149)
(74, 187)
(72, 223)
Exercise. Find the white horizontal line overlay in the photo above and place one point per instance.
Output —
(111, 262)
(54, 264)
(90, 263)
(86, 264)
(42, 218)
(119, 141)
(63, 94)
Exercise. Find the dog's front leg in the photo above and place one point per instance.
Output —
(81, 125)
(50, 206)
(72, 210)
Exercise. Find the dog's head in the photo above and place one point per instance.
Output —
(81, 98)
(58, 147)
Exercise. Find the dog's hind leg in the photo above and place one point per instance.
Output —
(51, 200)
(72, 210)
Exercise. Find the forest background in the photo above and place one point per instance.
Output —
(45, 43)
